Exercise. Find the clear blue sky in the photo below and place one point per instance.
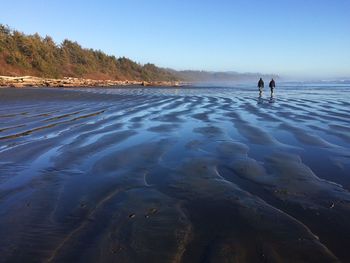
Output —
(287, 37)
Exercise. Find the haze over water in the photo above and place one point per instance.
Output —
(194, 174)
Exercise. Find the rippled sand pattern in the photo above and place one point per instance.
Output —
(164, 175)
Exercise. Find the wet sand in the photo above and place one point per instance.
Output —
(174, 175)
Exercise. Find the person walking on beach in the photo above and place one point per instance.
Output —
(272, 86)
(260, 86)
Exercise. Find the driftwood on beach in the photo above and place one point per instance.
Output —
(30, 81)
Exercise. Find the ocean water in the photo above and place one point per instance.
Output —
(190, 174)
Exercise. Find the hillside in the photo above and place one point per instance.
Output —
(33, 55)
(22, 54)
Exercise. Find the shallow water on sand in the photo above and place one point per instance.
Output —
(175, 175)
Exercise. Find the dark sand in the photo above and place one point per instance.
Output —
(174, 175)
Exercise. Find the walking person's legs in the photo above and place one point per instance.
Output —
(260, 91)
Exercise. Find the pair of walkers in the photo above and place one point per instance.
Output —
(261, 84)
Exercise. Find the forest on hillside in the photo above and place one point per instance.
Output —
(22, 54)
(34, 55)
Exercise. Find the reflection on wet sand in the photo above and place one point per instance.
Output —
(167, 175)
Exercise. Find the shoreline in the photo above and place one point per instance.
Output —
(31, 81)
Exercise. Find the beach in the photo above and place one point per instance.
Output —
(32, 81)
(159, 174)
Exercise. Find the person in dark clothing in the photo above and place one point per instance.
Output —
(260, 85)
(272, 86)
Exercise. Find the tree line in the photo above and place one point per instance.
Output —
(22, 54)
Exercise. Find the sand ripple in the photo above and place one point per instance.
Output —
(162, 175)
